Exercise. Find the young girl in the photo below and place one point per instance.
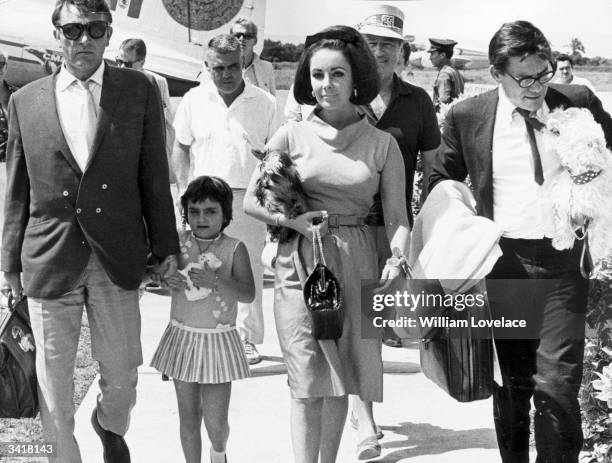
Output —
(201, 349)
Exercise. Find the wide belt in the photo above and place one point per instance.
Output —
(338, 220)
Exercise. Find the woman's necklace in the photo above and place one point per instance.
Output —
(206, 243)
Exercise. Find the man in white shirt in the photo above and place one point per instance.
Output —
(565, 73)
(494, 138)
(219, 125)
(256, 71)
(133, 55)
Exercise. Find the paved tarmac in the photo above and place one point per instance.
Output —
(420, 422)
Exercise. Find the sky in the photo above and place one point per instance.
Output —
(471, 22)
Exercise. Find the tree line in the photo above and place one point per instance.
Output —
(277, 51)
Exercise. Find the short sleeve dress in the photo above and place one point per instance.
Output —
(340, 171)
(201, 343)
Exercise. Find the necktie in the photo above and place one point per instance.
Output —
(532, 124)
(89, 116)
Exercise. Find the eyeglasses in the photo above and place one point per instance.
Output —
(542, 78)
(74, 31)
(125, 64)
(240, 35)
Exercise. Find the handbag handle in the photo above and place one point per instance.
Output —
(317, 247)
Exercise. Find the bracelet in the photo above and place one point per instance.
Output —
(277, 218)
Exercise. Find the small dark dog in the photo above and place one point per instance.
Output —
(279, 190)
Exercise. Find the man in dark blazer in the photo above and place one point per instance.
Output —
(87, 199)
(494, 139)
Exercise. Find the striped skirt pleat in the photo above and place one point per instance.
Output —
(200, 356)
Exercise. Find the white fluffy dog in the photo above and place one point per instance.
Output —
(582, 196)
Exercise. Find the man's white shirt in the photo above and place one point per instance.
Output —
(71, 100)
(520, 206)
(221, 137)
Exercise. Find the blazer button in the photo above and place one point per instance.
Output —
(104, 186)
(98, 210)
(78, 211)
(65, 192)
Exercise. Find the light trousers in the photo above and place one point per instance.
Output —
(252, 233)
(114, 322)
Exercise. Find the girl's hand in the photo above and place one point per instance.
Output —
(176, 281)
(203, 278)
(306, 223)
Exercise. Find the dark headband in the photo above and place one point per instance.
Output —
(348, 36)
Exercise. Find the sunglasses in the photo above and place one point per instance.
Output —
(125, 64)
(74, 31)
(240, 35)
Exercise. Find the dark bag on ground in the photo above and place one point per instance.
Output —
(18, 390)
(459, 359)
(323, 296)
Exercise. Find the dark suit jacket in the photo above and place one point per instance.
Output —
(120, 207)
(467, 141)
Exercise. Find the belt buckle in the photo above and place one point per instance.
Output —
(333, 221)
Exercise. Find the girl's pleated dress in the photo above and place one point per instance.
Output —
(201, 343)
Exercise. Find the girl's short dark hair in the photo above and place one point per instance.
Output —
(212, 188)
(518, 38)
(357, 53)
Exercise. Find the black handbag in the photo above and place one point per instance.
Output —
(323, 296)
(18, 390)
(458, 359)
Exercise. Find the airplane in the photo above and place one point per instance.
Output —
(175, 32)
(463, 58)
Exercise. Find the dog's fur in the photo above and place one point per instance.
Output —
(579, 142)
(279, 189)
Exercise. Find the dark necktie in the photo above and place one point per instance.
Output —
(532, 124)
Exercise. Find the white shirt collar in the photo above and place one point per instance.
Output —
(505, 109)
(249, 91)
(65, 79)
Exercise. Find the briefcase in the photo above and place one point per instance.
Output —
(18, 389)
(460, 361)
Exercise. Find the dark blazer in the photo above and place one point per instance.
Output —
(467, 141)
(120, 207)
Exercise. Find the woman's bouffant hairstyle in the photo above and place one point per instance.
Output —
(212, 188)
(356, 51)
(518, 38)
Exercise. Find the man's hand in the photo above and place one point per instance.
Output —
(12, 282)
(165, 269)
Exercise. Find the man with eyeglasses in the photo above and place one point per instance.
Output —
(256, 71)
(87, 198)
(132, 55)
(220, 127)
(496, 139)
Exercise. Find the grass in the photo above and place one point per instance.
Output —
(600, 78)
